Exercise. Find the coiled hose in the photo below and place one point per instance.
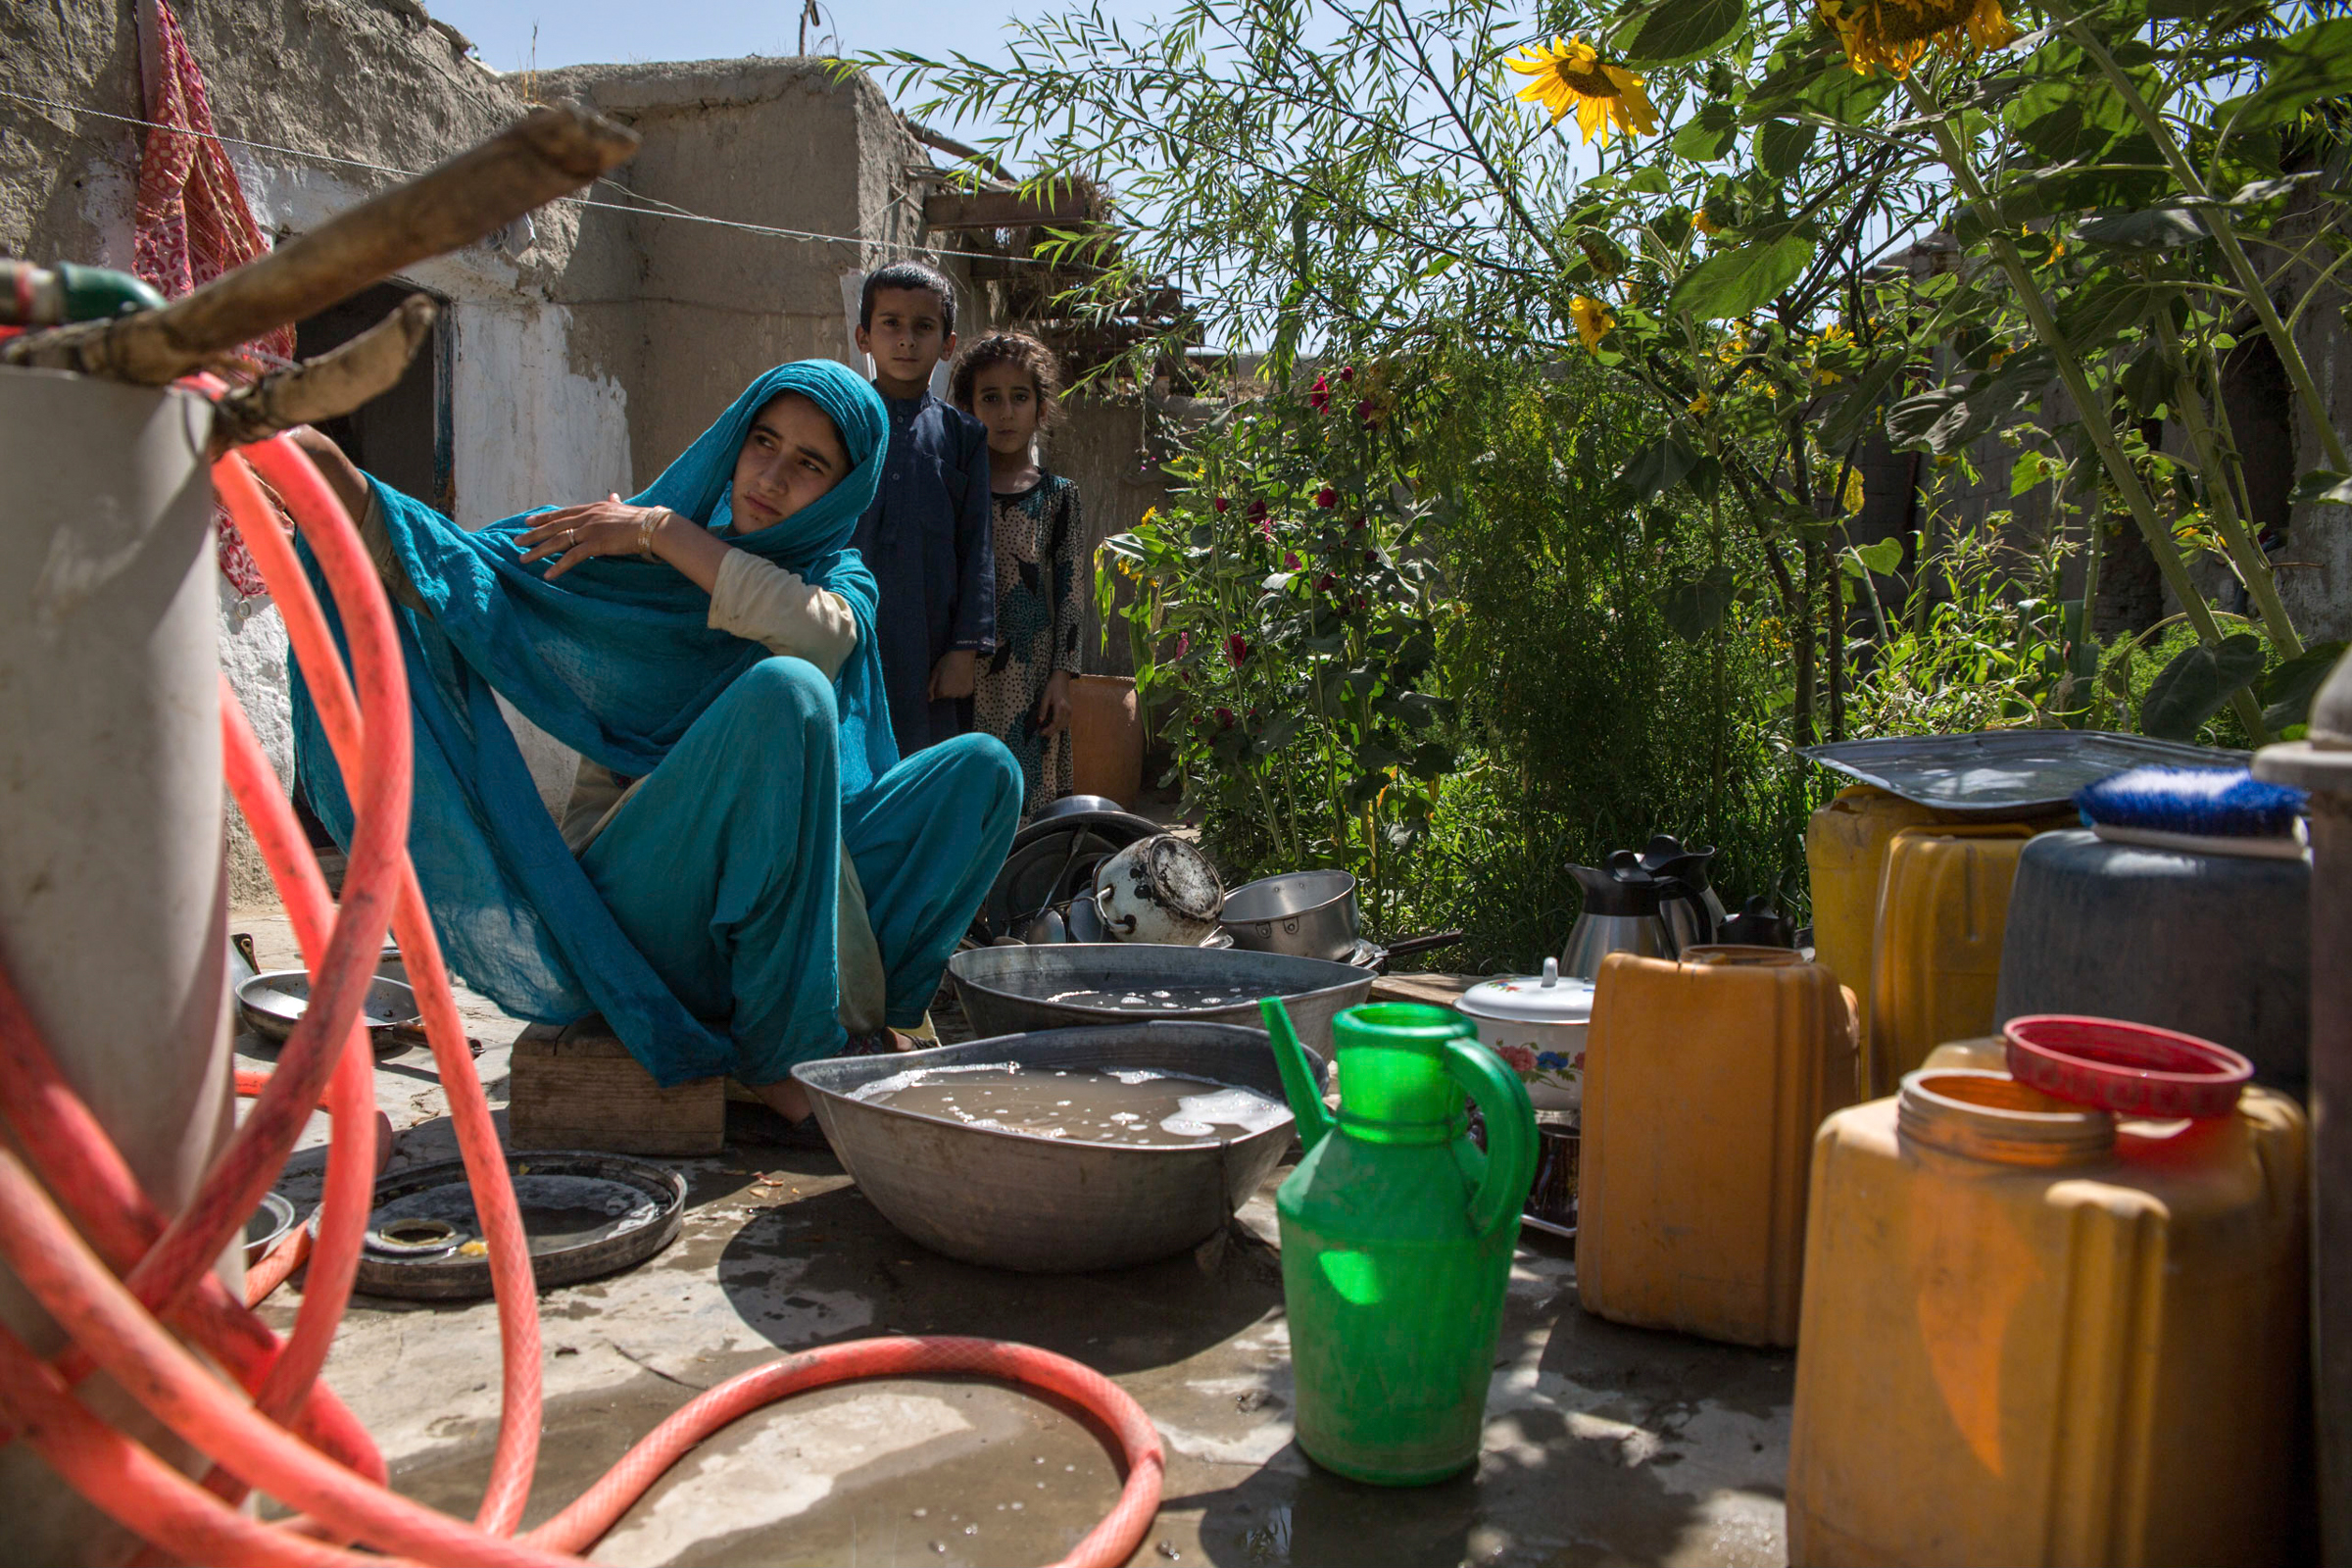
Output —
(132, 1287)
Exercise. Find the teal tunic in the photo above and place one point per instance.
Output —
(703, 922)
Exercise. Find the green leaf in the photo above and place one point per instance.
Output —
(1735, 282)
(1781, 145)
(1848, 98)
(1676, 31)
(2305, 67)
(2285, 693)
(2028, 471)
(1949, 417)
(2161, 229)
(1694, 605)
(1847, 415)
(2147, 382)
(1275, 736)
(2102, 307)
(2321, 484)
(2195, 685)
(2070, 114)
(1885, 557)
(1658, 467)
(1708, 135)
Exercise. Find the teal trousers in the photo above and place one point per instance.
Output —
(722, 867)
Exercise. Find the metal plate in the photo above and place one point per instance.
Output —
(2007, 772)
(1042, 871)
(274, 1003)
(587, 1216)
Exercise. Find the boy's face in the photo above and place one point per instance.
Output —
(908, 337)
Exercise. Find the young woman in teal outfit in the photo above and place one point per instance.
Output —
(746, 873)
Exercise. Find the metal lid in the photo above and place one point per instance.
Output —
(1548, 997)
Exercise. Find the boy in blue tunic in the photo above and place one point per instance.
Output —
(927, 536)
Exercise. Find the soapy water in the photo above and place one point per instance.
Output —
(1088, 1104)
(1157, 998)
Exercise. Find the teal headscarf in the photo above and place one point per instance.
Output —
(615, 659)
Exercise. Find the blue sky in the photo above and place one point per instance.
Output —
(574, 32)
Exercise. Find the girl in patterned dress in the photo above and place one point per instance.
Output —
(1007, 382)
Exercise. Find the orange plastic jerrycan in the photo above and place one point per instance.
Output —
(1846, 854)
(1943, 909)
(2033, 1334)
(1704, 1079)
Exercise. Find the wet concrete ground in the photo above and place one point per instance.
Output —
(1604, 1444)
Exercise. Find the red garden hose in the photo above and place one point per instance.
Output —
(132, 1287)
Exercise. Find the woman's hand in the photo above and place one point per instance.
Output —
(1053, 709)
(606, 527)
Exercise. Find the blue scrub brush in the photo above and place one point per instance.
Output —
(2205, 811)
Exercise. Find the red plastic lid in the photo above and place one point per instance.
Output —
(2128, 1068)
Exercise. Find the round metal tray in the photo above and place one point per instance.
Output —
(587, 1216)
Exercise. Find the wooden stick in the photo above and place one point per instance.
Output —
(328, 386)
(475, 193)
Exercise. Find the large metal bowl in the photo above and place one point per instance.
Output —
(1008, 990)
(1053, 1205)
(1312, 913)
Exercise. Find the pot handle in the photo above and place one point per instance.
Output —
(1113, 924)
(1510, 1133)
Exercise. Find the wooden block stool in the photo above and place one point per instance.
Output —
(579, 1088)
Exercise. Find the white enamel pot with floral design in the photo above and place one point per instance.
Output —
(1535, 1024)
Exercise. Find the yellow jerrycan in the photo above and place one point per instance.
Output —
(1704, 1079)
(1845, 854)
(1944, 911)
(2035, 1334)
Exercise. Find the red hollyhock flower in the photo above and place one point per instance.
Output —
(1321, 397)
(1324, 582)
(1222, 504)
(1346, 373)
(1224, 718)
(1184, 643)
(1371, 558)
(1237, 649)
(1290, 561)
(1357, 527)
(1265, 530)
(1257, 510)
(1365, 411)
(1327, 497)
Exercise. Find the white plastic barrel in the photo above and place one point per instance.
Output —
(112, 892)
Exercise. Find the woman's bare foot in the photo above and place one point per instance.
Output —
(785, 1097)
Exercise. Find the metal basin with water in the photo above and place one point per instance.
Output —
(1006, 990)
(1053, 1205)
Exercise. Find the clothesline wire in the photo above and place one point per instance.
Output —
(656, 207)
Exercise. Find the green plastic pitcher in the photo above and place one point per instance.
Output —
(1397, 1239)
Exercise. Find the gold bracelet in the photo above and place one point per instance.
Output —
(646, 531)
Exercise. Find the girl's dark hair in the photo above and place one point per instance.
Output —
(1009, 348)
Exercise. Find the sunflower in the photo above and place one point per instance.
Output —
(1572, 75)
(1895, 34)
(1593, 319)
(1704, 224)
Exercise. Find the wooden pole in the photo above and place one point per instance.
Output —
(531, 163)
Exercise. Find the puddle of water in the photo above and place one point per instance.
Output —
(1096, 1106)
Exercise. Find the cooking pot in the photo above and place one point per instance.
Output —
(1535, 1024)
(1161, 889)
(1310, 914)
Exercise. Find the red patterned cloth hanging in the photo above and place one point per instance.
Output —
(192, 223)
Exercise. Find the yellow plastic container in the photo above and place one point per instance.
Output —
(1845, 856)
(1704, 1079)
(2035, 1336)
(1943, 908)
